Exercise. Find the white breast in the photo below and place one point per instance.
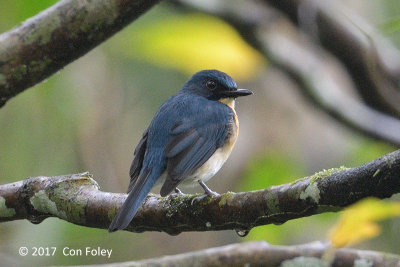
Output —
(207, 170)
(215, 162)
(211, 166)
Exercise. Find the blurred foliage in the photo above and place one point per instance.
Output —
(367, 150)
(358, 222)
(187, 43)
(276, 168)
(90, 115)
(273, 168)
(392, 26)
(15, 12)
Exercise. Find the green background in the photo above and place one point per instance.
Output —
(90, 115)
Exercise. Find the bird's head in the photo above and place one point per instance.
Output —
(214, 85)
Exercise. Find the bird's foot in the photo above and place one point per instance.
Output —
(207, 190)
(178, 192)
(207, 193)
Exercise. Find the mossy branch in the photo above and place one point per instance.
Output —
(76, 198)
(57, 36)
(263, 254)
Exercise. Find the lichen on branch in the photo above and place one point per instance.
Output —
(77, 198)
(57, 36)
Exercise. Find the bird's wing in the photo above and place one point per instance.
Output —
(191, 147)
(137, 162)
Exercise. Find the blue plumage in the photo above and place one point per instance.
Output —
(190, 137)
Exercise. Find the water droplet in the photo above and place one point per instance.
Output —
(242, 232)
(36, 219)
(279, 222)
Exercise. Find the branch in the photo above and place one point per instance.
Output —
(324, 82)
(77, 199)
(372, 61)
(263, 254)
(57, 36)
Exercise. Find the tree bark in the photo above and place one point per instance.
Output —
(57, 36)
(263, 254)
(77, 199)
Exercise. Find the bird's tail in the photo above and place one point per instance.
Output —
(135, 198)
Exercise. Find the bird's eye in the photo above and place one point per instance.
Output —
(211, 84)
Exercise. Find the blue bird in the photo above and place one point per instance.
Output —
(188, 140)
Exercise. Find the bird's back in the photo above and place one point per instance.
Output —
(191, 136)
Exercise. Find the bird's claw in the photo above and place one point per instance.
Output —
(206, 194)
(178, 192)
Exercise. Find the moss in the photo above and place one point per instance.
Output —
(312, 191)
(326, 173)
(376, 172)
(363, 263)
(111, 213)
(94, 25)
(2, 79)
(86, 27)
(75, 211)
(224, 198)
(392, 160)
(41, 202)
(37, 65)
(4, 211)
(57, 199)
(296, 181)
(66, 189)
(19, 72)
(272, 202)
(84, 179)
(327, 208)
(44, 32)
(175, 202)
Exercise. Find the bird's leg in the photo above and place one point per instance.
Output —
(178, 191)
(207, 193)
(207, 190)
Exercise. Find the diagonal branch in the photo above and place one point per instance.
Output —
(323, 81)
(372, 61)
(263, 254)
(57, 36)
(77, 199)
(319, 75)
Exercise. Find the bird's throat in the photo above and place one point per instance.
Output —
(229, 101)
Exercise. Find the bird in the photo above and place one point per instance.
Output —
(189, 139)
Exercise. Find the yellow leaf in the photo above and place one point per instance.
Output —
(358, 222)
(191, 43)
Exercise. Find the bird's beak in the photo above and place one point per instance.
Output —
(237, 93)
